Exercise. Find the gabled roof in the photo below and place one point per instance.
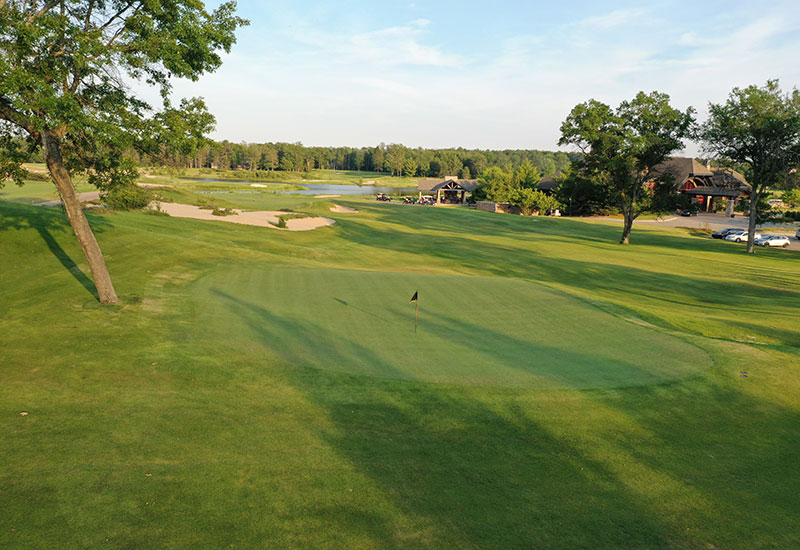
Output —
(730, 178)
(682, 169)
(432, 185)
(549, 183)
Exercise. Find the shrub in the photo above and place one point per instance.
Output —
(222, 212)
(127, 197)
(531, 200)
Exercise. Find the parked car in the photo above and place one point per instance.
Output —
(687, 213)
(797, 235)
(773, 240)
(741, 236)
(725, 232)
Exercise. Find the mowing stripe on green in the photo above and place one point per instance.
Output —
(472, 330)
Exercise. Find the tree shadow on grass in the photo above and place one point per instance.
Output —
(49, 220)
(575, 369)
(473, 223)
(737, 449)
(457, 469)
(589, 276)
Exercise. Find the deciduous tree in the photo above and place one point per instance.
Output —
(65, 70)
(760, 128)
(621, 147)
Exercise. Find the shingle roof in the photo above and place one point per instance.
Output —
(728, 177)
(429, 185)
(548, 184)
(682, 168)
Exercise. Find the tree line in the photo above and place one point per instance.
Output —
(393, 159)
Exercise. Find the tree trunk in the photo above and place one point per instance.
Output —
(51, 146)
(751, 226)
(627, 226)
(628, 216)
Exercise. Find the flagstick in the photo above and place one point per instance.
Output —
(416, 315)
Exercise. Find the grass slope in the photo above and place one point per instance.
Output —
(233, 402)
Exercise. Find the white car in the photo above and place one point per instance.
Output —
(773, 240)
(741, 237)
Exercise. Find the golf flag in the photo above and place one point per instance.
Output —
(415, 300)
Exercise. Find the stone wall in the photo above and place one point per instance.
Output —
(498, 207)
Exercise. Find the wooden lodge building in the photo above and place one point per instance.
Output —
(449, 190)
(706, 185)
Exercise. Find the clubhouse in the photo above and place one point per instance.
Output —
(706, 185)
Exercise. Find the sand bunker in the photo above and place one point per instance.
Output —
(326, 196)
(263, 218)
(258, 185)
(339, 209)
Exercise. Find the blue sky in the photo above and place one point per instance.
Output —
(496, 75)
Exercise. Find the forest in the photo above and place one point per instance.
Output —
(394, 159)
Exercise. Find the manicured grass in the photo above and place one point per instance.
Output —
(264, 389)
(36, 191)
(481, 331)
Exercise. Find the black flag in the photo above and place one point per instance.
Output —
(415, 301)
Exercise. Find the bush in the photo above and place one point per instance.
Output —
(789, 216)
(223, 212)
(127, 197)
(530, 201)
(792, 197)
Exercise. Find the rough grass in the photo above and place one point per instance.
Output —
(189, 416)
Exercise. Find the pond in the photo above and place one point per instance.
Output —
(317, 188)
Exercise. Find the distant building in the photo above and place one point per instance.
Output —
(706, 185)
(549, 184)
(449, 190)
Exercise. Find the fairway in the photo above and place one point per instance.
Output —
(475, 331)
(266, 389)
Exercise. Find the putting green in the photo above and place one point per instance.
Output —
(472, 330)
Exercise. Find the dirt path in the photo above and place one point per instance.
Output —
(83, 197)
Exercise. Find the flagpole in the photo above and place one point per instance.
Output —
(415, 299)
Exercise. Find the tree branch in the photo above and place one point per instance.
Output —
(45, 8)
(88, 21)
(117, 15)
(7, 112)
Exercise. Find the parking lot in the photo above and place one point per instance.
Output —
(716, 222)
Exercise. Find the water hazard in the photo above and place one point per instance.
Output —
(315, 188)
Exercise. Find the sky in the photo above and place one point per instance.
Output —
(488, 75)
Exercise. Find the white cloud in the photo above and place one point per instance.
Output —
(401, 84)
(391, 46)
(612, 20)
